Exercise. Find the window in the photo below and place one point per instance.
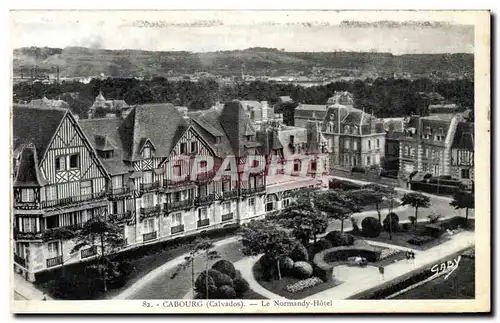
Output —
(183, 148)
(369, 144)
(147, 200)
(347, 143)
(433, 154)
(313, 166)
(86, 188)
(355, 145)
(53, 248)
(226, 186)
(51, 193)
(251, 206)
(368, 161)
(61, 163)
(177, 196)
(377, 159)
(27, 195)
(149, 225)
(226, 207)
(291, 139)
(176, 219)
(117, 181)
(286, 202)
(296, 165)
(194, 147)
(147, 177)
(177, 170)
(202, 214)
(29, 224)
(202, 190)
(203, 164)
(114, 207)
(146, 152)
(73, 161)
(426, 153)
(52, 222)
(465, 173)
(407, 151)
(378, 143)
(426, 136)
(270, 202)
(412, 152)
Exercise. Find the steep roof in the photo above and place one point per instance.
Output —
(162, 124)
(236, 125)
(36, 126)
(28, 173)
(269, 140)
(464, 136)
(311, 107)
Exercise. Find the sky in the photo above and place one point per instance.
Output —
(205, 31)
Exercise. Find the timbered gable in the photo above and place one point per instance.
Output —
(70, 160)
(191, 143)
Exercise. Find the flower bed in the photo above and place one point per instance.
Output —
(303, 284)
(386, 253)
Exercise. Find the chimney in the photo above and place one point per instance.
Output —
(57, 75)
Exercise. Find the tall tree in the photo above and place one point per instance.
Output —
(265, 237)
(416, 200)
(463, 200)
(377, 193)
(200, 246)
(336, 204)
(98, 232)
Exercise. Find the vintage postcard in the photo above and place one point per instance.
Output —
(250, 161)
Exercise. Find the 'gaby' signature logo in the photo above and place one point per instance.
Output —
(450, 265)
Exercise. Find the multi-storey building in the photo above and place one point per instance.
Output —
(261, 114)
(59, 181)
(306, 113)
(355, 138)
(425, 145)
(149, 171)
(109, 106)
(462, 153)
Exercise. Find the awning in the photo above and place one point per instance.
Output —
(292, 185)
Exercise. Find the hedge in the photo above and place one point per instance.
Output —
(433, 188)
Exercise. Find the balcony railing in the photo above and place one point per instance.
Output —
(204, 177)
(89, 252)
(19, 260)
(149, 236)
(120, 192)
(204, 199)
(203, 223)
(170, 183)
(26, 205)
(179, 205)
(252, 190)
(71, 200)
(51, 262)
(151, 210)
(120, 217)
(177, 229)
(229, 194)
(227, 217)
(148, 187)
(27, 235)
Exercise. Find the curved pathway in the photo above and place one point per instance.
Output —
(158, 285)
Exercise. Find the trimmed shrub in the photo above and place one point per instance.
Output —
(337, 238)
(405, 227)
(226, 292)
(268, 268)
(220, 278)
(302, 269)
(320, 245)
(201, 284)
(286, 265)
(225, 267)
(240, 286)
(433, 230)
(393, 225)
(418, 241)
(371, 227)
(300, 253)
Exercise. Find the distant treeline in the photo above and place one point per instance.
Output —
(383, 97)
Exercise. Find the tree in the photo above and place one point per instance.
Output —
(59, 234)
(264, 237)
(303, 216)
(107, 235)
(416, 200)
(336, 204)
(463, 200)
(199, 246)
(376, 194)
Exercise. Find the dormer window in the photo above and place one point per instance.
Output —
(146, 152)
(183, 148)
(105, 153)
(249, 137)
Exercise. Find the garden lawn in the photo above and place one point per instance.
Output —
(279, 286)
(383, 205)
(401, 239)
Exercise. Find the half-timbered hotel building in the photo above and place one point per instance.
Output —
(59, 181)
(147, 171)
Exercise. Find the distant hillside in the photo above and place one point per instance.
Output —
(80, 61)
